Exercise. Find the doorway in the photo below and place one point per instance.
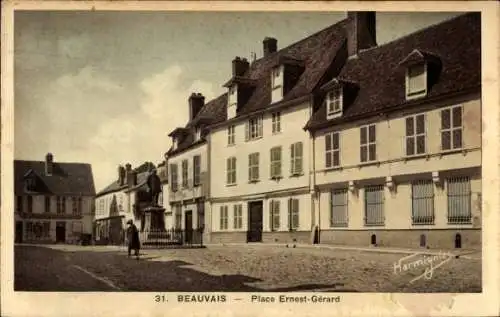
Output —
(60, 231)
(19, 232)
(188, 226)
(254, 233)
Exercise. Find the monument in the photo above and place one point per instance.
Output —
(154, 219)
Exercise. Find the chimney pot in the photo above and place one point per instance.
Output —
(270, 45)
(49, 164)
(361, 32)
(240, 66)
(196, 102)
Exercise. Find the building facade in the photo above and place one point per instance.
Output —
(397, 160)
(54, 201)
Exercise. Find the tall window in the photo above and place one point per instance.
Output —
(416, 82)
(334, 101)
(61, 205)
(253, 167)
(223, 218)
(230, 135)
(368, 149)
(174, 178)
(178, 217)
(374, 205)
(30, 204)
(74, 205)
(276, 121)
(274, 214)
(293, 213)
(238, 216)
(451, 128)
(185, 173)
(19, 204)
(231, 171)
(459, 200)
(196, 170)
(415, 135)
(338, 208)
(296, 155)
(275, 76)
(332, 149)
(276, 162)
(254, 128)
(422, 197)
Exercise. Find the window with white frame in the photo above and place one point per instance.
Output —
(296, 155)
(253, 167)
(238, 216)
(274, 215)
(368, 144)
(416, 80)
(197, 134)
(276, 162)
(254, 128)
(275, 76)
(459, 200)
(339, 207)
(415, 135)
(173, 177)
(451, 128)
(178, 217)
(334, 101)
(231, 171)
(185, 173)
(230, 135)
(332, 149)
(374, 205)
(422, 201)
(223, 218)
(196, 170)
(276, 122)
(293, 214)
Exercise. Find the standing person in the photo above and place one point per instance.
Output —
(133, 239)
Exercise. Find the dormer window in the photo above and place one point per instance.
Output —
(416, 81)
(334, 102)
(174, 143)
(275, 77)
(232, 101)
(197, 134)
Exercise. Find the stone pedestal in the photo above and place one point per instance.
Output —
(154, 218)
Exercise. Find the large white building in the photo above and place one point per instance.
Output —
(54, 201)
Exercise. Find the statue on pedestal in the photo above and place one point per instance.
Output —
(154, 187)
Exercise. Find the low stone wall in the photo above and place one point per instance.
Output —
(228, 237)
(303, 237)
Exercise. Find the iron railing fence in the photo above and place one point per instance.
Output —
(170, 238)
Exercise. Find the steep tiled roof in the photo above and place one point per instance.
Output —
(380, 78)
(72, 179)
(115, 186)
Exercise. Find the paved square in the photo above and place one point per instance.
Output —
(250, 268)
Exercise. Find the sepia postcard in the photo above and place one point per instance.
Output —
(249, 158)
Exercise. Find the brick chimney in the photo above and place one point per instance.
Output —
(121, 175)
(240, 66)
(49, 164)
(130, 175)
(196, 102)
(270, 45)
(361, 31)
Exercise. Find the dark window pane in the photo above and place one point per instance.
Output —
(336, 158)
(457, 117)
(328, 142)
(335, 137)
(410, 146)
(445, 119)
(409, 126)
(363, 137)
(372, 152)
(457, 138)
(371, 134)
(420, 144)
(363, 153)
(328, 159)
(445, 140)
(420, 124)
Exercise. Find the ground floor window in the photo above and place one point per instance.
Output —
(374, 205)
(293, 213)
(459, 200)
(39, 230)
(238, 216)
(422, 198)
(224, 218)
(274, 215)
(338, 208)
(178, 217)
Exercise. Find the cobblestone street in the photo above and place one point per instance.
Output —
(241, 268)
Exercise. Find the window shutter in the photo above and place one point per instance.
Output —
(271, 215)
(260, 125)
(292, 159)
(278, 150)
(328, 142)
(247, 131)
(299, 160)
(290, 214)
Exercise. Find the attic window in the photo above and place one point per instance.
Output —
(416, 81)
(231, 90)
(197, 135)
(30, 184)
(275, 77)
(334, 101)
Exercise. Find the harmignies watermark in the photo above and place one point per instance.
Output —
(430, 262)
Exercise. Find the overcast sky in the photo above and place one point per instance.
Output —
(107, 87)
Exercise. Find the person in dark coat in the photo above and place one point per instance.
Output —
(133, 239)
